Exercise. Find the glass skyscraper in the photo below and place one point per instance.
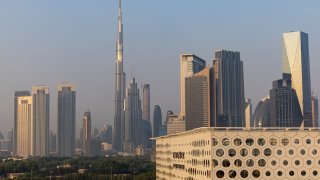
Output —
(296, 63)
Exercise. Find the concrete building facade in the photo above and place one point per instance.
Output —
(236, 153)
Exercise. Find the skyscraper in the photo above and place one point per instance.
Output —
(261, 116)
(133, 117)
(248, 113)
(66, 119)
(296, 62)
(315, 111)
(157, 121)
(86, 131)
(16, 95)
(197, 100)
(52, 142)
(284, 106)
(41, 120)
(25, 126)
(189, 65)
(118, 136)
(146, 102)
(229, 101)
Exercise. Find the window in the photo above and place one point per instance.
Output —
(273, 163)
(285, 141)
(232, 152)
(285, 162)
(297, 162)
(250, 163)
(255, 152)
(232, 174)
(261, 141)
(268, 173)
(303, 152)
(279, 152)
(291, 152)
(291, 173)
(220, 174)
(262, 162)
(237, 142)
(238, 163)
(303, 173)
(214, 163)
(296, 141)
(243, 152)
(314, 152)
(214, 142)
(249, 141)
(256, 173)
(219, 152)
(244, 173)
(279, 173)
(267, 152)
(225, 163)
(225, 141)
(308, 141)
(309, 162)
(273, 141)
(315, 173)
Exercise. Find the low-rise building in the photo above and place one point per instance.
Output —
(240, 153)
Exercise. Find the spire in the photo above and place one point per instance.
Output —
(120, 35)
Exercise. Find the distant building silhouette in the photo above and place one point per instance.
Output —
(261, 116)
(248, 113)
(52, 142)
(86, 131)
(66, 119)
(157, 121)
(315, 111)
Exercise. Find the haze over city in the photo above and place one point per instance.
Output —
(47, 42)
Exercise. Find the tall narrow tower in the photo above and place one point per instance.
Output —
(118, 135)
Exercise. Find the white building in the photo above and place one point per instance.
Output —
(218, 153)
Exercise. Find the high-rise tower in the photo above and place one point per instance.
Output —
(118, 135)
(296, 63)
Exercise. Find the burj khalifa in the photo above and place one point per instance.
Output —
(120, 79)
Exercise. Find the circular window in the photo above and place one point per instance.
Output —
(243, 152)
(214, 163)
(297, 162)
(268, 173)
(214, 142)
(225, 163)
(256, 173)
(237, 142)
(308, 141)
(318, 141)
(232, 152)
(261, 141)
(244, 173)
(285, 162)
(262, 162)
(250, 163)
(291, 152)
(285, 141)
(315, 173)
(238, 163)
(303, 152)
(309, 162)
(314, 152)
(273, 163)
(220, 152)
(249, 141)
(267, 152)
(220, 174)
(255, 152)
(232, 174)
(273, 141)
(225, 141)
(296, 141)
(303, 173)
(291, 173)
(279, 173)
(279, 152)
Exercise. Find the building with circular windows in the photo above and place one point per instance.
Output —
(235, 153)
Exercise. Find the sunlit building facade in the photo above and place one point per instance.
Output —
(236, 153)
(296, 63)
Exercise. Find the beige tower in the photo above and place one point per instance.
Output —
(189, 65)
(24, 126)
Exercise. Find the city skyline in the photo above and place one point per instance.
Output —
(251, 59)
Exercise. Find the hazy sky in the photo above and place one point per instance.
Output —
(45, 42)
